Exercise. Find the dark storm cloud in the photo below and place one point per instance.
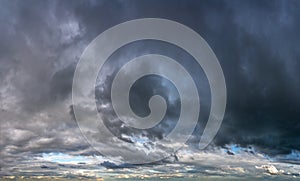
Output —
(147, 86)
(256, 42)
(262, 75)
(257, 45)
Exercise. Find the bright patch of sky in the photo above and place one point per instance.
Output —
(68, 159)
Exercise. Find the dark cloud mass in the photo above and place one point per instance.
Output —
(256, 42)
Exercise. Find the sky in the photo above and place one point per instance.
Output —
(256, 42)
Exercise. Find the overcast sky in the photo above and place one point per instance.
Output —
(256, 42)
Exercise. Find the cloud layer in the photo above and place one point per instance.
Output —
(256, 42)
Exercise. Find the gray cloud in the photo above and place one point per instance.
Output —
(256, 42)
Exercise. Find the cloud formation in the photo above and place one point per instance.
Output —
(256, 42)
